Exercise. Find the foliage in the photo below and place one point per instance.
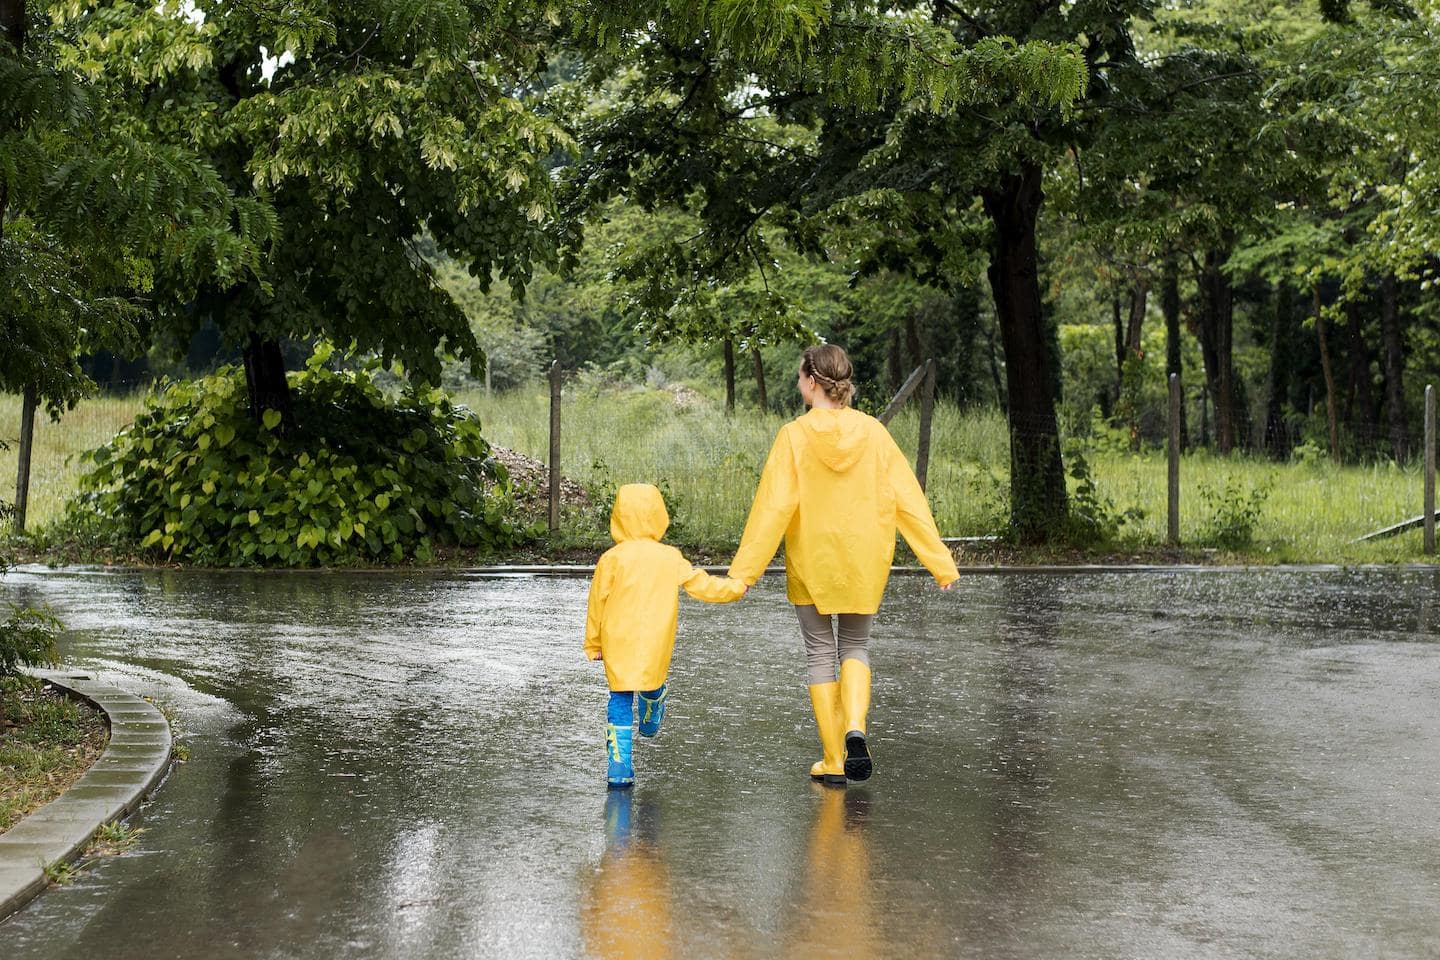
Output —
(92, 208)
(1234, 510)
(355, 128)
(366, 478)
(27, 639)
(1093, 519)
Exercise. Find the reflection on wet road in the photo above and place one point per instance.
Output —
(1207, 764)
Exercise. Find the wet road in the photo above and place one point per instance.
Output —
(1211, 764)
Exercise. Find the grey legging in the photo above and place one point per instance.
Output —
(850, 638)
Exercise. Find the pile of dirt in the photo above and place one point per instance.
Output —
(530, 479)
(684, 397)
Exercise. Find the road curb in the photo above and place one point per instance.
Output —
(135, 760)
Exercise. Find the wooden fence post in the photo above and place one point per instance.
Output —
(554, 446)
(1430, 469)
(1177, 398)
(27, 445)
(903, 394)
(927, 416)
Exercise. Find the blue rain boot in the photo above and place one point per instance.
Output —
(652, 710)
(620, 770)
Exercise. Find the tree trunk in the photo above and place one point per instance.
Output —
(893, 362)
(1134, 326)
(1330, 400)
(1037, 479)
(729, 375)
(27, 448)
(1361, 416)
(760, 379)
(1001, 400)
(912, 339)
(1205, 415)
(1394, 367)
(1217, 324)
(1117, 326)
(265, 380)
(1277, 439)
(1170, 307)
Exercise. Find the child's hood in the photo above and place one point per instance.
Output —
(838, 437)
(639, 513)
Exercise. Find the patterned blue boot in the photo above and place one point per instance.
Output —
(619, 771)
(652, 710)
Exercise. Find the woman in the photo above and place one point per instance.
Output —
(835, 487)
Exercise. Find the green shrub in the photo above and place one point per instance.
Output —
(358, 477)
(1093, 520)
(1234, 511)
(27, 639)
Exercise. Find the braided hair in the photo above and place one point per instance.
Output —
(830, 367)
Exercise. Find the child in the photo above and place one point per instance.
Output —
(630, 625)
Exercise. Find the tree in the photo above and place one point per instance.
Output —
(707, 119)
(91, 211)
(357, 127)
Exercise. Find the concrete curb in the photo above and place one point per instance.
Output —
(135, 760)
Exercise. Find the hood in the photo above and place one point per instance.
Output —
(838, 437)
(639, 513)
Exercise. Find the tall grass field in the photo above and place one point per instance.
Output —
(708, 465)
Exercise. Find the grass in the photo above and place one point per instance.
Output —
(113, 838)
(708, 465)
(54, 467)
(47, 742)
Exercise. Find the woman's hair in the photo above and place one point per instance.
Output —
(830, 367)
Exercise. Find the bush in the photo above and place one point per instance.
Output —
(358, 477)
(1093, 519)
(27, 639)
(1234, 512)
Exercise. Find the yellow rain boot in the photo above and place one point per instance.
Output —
(855, 704)
(825, 699)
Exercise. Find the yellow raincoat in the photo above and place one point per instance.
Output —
(835, 487)
(634, 596)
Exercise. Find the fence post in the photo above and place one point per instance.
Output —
(1172, 528)
(927, 417)
(1430, 469)
(27, 444)
(898, 401)
(554, 446)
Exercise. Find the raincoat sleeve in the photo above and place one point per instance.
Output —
(776, 499)
(599, 593)
(702, 586)
(913, 517)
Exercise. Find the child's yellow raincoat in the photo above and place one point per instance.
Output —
(835, 487)
(634, 597)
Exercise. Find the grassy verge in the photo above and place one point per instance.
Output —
(708, 465)
(47, 742)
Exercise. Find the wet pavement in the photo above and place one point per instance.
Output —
(1209, 764)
